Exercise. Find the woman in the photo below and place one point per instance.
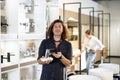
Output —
(61, 52)
(91, 45)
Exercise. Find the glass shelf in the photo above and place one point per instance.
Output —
(31, 36)
(8, 36)
(8, 64)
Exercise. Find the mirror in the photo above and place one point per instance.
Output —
(73, 28)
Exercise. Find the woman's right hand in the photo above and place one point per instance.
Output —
(48, 60)
(44, 60)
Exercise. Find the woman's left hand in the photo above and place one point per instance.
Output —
(57, 55)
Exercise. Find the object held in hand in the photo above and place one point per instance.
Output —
(46, 59)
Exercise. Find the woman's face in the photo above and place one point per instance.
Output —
(88, 36)
(57, 29)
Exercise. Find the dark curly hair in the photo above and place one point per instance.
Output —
(50, 32)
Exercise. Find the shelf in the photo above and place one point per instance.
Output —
(21, 36)
(8, 36)
(24, 62)
(8, 66)
(28, 63)
(31, 36)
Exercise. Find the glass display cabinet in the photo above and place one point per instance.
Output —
(23, 27)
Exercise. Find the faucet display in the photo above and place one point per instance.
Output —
(8, 57)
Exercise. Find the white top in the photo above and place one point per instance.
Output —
(92, 43)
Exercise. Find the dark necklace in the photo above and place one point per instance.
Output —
(57, 41)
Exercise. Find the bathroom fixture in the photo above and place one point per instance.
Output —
(7, 57)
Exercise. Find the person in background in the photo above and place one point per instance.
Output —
(61, 52)
(91, 45)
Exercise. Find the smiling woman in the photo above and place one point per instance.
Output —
(61, 52)
(57, 29)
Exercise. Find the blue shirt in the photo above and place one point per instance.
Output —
(54, 70)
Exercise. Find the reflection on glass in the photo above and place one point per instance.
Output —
(4, 76)
(73, 28)
(28, 73)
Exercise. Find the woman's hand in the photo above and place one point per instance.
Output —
(62, 58)
(57, 55)
(46, 60)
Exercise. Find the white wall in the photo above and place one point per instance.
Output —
(115, 27)
(113, 8)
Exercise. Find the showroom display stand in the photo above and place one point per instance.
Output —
(24, 29)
